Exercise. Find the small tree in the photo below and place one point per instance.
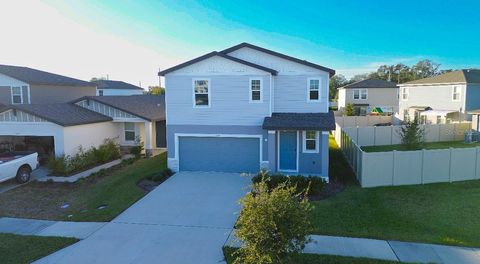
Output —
(349, 110)
(273, 225)
(412, 135)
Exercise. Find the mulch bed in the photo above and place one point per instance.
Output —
(329, 190)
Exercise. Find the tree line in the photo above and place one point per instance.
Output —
(397, 73)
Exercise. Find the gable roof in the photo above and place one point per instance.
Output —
(460, 76)
(216, 53)
(33, 76)
(280, 55)
(63, 114)
(370, 83)
(148, 107)
(109, 84)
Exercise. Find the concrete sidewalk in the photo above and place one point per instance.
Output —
(20, 226)
(386, 250)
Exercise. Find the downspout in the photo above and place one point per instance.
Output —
(271, 94)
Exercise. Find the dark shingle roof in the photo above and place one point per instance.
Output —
(108, 84)
(215, 53)
(149, 107)
(280, 55)
(300, 121)
(32, 76)
(64, 114)
(460, 76)
(371, 83)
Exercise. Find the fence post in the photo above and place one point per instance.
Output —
(421, 171)
(374, 135)
(391, 135)
(476, 162)
(393, 167)
(450, 166)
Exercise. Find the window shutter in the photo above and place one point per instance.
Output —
(323, 90)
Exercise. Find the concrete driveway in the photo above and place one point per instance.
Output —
(187, 219)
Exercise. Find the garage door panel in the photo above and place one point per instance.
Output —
(219, 154)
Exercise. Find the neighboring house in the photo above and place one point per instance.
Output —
(441, 99)
(247, 108)
(108, 87)
(369, 96)
(22, 85)
(61, 128)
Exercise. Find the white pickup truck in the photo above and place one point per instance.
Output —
(18, 165)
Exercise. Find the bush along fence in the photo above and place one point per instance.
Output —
(409, 167)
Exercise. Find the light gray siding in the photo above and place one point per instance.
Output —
(5, 95)
(229, 101)
(291, 94)
(438, 97)
(375, 97)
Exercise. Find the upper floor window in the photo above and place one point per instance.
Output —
(201, 90)
(313, 89)
(17, 97)
(255, 90)
(310, 141)
(404, 93)
(456, 93)
(360, 94)
(100, 92)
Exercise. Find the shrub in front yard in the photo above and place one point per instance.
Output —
(273, 224)
(313, 185)
(138, 148)
(84, 159)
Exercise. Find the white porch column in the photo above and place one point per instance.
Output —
(148, 138)
(272, 154)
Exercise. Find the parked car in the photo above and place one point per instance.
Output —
(18, 165)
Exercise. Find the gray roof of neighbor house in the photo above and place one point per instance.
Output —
(460, 76)
(148, 107)
(64, 114)
(33, 76)
(300, 121)
(109, 84)
(216, 53)
(371, 83)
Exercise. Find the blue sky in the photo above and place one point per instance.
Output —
(130, 40)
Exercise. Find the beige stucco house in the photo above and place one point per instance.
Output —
(369, 96)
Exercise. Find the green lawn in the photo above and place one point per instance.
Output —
(17, 249)
(316, 259)
(430, 145)
(117, 190)
(446, 213)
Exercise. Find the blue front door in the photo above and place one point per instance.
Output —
(288, 151)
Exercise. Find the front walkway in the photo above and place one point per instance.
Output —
(34, 227)
(386, 250)
(186, 219)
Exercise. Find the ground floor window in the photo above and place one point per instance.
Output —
(360, 110)
(310, 141)
(129, 131)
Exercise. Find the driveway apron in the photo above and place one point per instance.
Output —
(186, 219)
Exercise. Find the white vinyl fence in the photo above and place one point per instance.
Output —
(408, 167)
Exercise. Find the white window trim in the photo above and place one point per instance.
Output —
(459, 91)
(319, 89)
(251, 91)
(405, 91)
(21, 94)
(317, 142)
(125, 130)
(209, 93)
(360, 94)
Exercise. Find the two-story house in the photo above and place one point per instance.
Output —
(441, 99)
(247, 108)
(23, 85)
(371, 95)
